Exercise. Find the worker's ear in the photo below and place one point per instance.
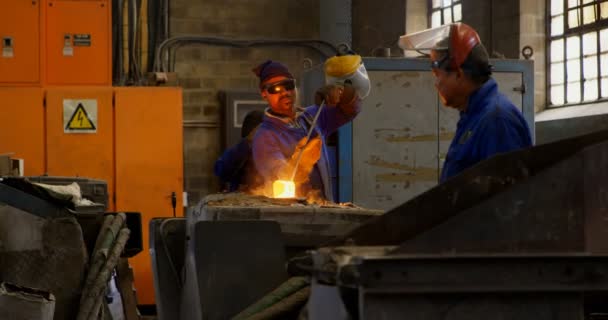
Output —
(460, 73)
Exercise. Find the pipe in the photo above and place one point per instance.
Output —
(298, 298)
(167, 44)
(96, 290)
(102, 246)
(107, 221)
(199, 124)
(312, 127)
(286, 289)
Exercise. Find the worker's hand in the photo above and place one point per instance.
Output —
(349, 96)
(331, 94)
(311, 153)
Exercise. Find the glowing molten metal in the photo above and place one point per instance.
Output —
(283, 189)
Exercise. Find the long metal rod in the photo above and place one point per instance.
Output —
(312, 127)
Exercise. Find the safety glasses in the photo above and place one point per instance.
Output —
(278, 87)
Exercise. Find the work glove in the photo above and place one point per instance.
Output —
(311, 153)
(330, 93)
(342, 96)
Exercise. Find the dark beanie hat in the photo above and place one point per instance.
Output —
(271, 69)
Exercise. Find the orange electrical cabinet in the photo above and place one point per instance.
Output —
(78, 42)
(80, 134)
(22, 126)
(149, 164)
(20, 46)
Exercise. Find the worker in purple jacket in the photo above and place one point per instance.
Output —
(282, 133)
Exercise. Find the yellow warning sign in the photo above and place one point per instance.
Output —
(80, 120)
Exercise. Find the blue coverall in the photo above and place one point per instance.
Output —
(490, 124)
(234, 165)
(277, 137)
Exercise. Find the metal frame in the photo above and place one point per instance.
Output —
(345, 133)
(477, 273)
(29, 203)
(579, 31)
(431, 10)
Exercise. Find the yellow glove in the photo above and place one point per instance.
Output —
(311, 153)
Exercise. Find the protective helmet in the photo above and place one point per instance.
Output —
(348, 69)
(458, 39)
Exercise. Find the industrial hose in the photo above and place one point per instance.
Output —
(103, 245)
(286, 305)
(279, 298)
(88, 309)
(109, 246)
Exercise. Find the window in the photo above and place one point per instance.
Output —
(445, 11)
(577, 51)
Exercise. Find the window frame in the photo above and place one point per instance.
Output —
(579, 31)
(431, 10)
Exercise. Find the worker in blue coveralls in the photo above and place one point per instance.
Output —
(235, 167)
(489, 123)
(283, 131)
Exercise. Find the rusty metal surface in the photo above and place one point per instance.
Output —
(395, 157)
(596, 198)
(544, 213)
(473, 187)
(303, 225)
(457, 286)
(473, 307)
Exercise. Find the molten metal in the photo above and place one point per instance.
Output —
(283, 189)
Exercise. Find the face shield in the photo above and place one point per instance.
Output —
(454, 41)
(348, 70)
(426, 40)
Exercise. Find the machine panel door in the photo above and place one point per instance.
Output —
(20, 46)
(78, 50)
(510, 84)
(149, 164)
(87, 150)
(395, 139)
(22, 127)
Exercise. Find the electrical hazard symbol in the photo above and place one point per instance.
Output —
(80, 116)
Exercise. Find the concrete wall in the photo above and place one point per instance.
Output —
(532, 33)
(497, 22)
(203, 70)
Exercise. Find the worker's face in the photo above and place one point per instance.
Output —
(280, 93)
(449, 84)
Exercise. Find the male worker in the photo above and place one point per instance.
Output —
(489, 123)
(235, 167)
(283, 131)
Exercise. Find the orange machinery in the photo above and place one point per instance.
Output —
(129, 136)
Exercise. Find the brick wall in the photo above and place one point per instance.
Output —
(204, 70)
